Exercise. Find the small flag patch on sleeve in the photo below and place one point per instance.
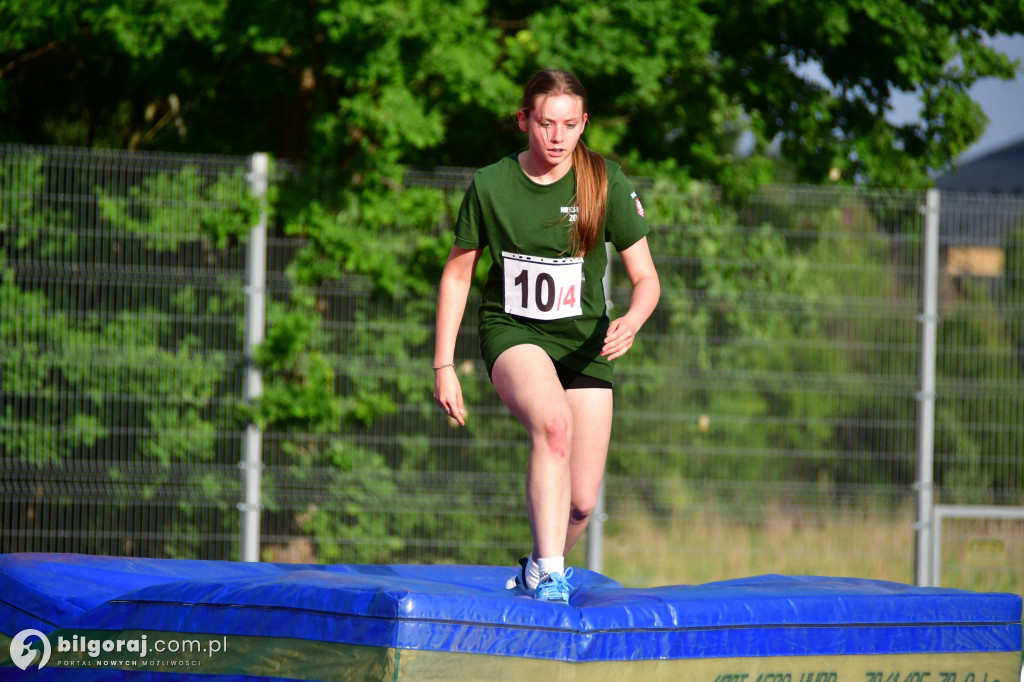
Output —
(639, 206)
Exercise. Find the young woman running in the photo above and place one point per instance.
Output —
(545, 214)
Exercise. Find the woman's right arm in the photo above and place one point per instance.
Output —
(451, 305)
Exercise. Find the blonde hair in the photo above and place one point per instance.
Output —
(591, 173)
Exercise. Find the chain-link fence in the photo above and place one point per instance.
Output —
(768, 420)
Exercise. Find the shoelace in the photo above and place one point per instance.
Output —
(556, 587)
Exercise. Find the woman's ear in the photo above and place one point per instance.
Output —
(521, 117)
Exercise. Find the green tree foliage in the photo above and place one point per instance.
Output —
(360, 87)
(748, 309)
(813, 368)
(80, 358)
(981, 375)
(360, 90)
(867, 52)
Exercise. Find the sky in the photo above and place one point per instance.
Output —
(1002, 102)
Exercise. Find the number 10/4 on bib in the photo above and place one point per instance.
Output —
(543, 288)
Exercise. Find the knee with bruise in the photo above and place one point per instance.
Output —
(557, 433)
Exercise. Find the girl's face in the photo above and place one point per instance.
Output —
(553, 127)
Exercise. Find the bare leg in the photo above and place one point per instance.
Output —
(526, 381)
(592, 420)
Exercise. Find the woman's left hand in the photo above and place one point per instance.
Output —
(619, 338)
(646, 291)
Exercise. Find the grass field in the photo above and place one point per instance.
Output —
(707, 545)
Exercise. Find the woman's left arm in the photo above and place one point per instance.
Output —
(646, 292)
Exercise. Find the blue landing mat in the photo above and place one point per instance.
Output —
(465, 609)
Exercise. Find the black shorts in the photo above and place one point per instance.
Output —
(570, 378)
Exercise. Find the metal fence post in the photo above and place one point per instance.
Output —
(595, 529)
(929, 318)
(255, 329)
(595, 534)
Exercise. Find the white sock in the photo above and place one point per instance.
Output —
(549, 565)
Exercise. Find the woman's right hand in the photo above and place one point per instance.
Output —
(448, 393)
(456, 279)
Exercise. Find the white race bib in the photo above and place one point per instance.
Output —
(543, 288)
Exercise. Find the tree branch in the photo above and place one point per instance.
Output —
(28, 56)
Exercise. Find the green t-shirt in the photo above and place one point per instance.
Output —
(505, 211)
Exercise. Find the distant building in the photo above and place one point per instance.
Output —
(982, 204)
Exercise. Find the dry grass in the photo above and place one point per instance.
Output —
(707, 545)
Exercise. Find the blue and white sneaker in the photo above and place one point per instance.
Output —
(554, 587)
(518, 581)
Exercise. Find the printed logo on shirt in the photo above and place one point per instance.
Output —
(639, 206)
(571, 211)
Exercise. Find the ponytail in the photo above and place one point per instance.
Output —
(591, 198)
